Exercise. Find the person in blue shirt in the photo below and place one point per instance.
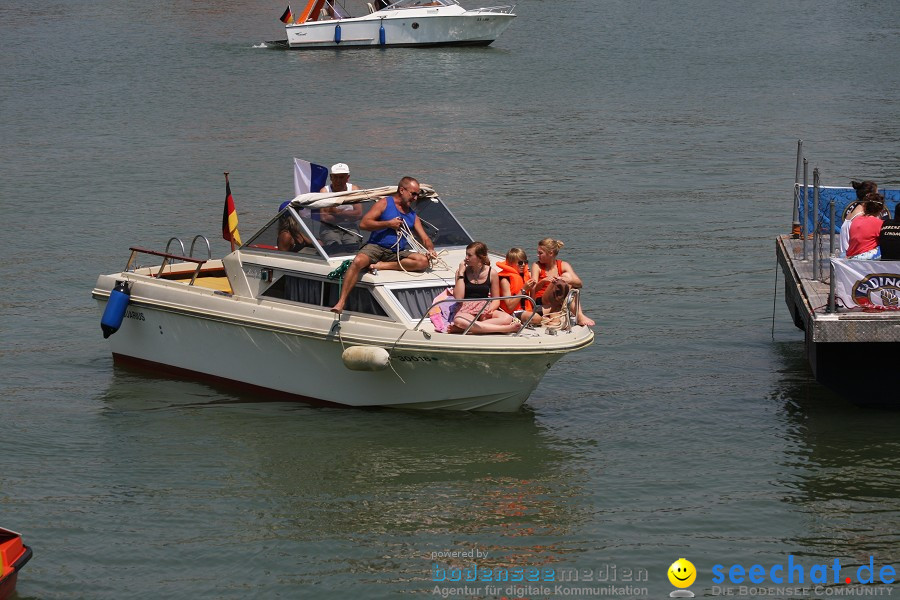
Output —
(387, 249)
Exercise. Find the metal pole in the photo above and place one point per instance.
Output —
(805, 212)
(795, 221)
(831, 305)
(831, 236)
(817, 241)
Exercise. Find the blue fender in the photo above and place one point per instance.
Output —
(118, 301)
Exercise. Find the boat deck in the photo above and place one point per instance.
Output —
(219, 284)
(807, 300)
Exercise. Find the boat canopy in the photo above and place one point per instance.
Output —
(304, 226)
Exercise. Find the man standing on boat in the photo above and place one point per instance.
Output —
(388, 249)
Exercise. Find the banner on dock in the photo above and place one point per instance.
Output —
(867, 283)
(841, 196)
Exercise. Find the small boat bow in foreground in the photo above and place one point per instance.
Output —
(260, 318)
(13, 556)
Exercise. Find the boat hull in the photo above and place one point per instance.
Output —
(308, 367)
(458, 30)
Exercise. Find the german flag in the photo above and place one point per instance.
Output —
(288, 16)
(229, 218)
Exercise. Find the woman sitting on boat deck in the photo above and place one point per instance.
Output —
(547, 268)
(475, 279)
(513, 275)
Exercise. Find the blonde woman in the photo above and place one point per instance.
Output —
(547, 268)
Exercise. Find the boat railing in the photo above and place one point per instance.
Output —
(571, 307)
(200, 236)
(166, 256)
(175, 239)
(800, 224)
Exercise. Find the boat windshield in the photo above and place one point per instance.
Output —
(440, 224)
(334, 232)
(421, 3)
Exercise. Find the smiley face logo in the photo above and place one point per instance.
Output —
(682, 573)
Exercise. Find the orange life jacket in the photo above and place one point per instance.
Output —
(542, 274)
(516, 282)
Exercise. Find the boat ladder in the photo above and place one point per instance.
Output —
(135, 250)
(193, 243)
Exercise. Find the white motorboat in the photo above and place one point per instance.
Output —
(329, 24)
(260, 318)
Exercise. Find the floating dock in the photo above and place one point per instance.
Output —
(852, 350)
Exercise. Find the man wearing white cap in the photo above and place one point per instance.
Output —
(340, 228)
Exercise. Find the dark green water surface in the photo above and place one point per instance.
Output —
(656, 139)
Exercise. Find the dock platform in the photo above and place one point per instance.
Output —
(841, 343)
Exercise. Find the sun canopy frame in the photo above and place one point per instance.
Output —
(326, 200)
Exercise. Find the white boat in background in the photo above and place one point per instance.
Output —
(260, 318)
(329, 24)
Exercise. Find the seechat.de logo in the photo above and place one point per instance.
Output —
(795, 572)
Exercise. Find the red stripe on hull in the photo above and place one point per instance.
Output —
(161, 369)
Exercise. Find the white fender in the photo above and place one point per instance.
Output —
(366, 358)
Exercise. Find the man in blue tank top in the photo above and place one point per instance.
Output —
(387, 249)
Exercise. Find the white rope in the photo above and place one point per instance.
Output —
(404, 232)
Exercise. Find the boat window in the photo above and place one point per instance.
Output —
(296, 289)
(420, 3)
(360, 300)
(417, 301)
(286, 233)
(440, 224)
(321, 293)
(337, 228)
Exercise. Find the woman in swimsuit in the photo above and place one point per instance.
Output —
(547, 268)
(475, 279)
(290, 237)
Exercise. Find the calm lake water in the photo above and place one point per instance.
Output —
(656, 139)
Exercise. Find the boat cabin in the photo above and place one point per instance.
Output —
(291, 257)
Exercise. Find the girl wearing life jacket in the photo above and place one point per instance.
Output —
(547, 268)
(513, 275)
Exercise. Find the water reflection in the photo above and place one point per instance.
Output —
(338, 486)
(843, 467)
